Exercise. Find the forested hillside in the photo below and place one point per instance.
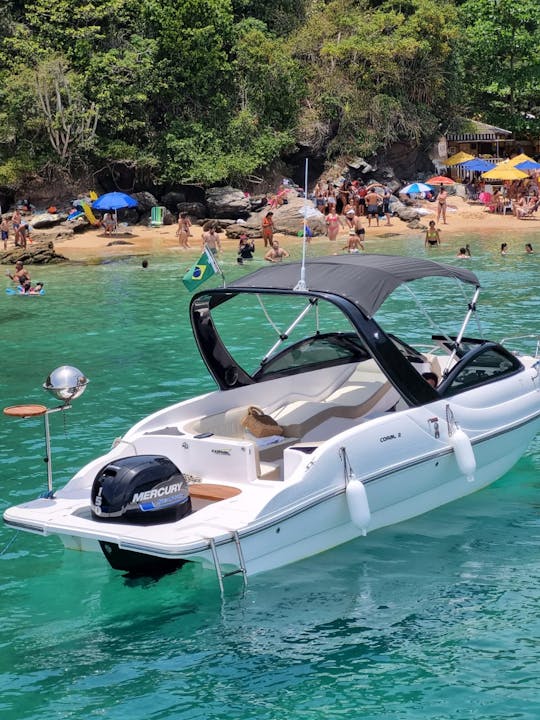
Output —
(213, 90)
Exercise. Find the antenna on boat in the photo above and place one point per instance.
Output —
(301, 284)
(66, 383)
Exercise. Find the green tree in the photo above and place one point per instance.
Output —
(378, 73)
(501, 56)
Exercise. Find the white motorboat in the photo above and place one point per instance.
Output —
(363, 439)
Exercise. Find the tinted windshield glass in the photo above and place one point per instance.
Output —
(264, 321)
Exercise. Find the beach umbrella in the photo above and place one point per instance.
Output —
(458, 158)
(477, 164)
(114, 201)
(440, 180)
(504, 171)
(416, 187)
(528, 165)
(519, 159)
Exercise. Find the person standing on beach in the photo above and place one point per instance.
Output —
(211, 240)
(268, 229)
(184, 232)
(16, 224)
(373, 202)
(24, 234)
(333, 223)
(441, 204)
(4, 230)
(386, 204)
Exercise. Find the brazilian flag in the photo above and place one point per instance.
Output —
(204, 268)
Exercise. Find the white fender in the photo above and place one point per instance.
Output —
(464, 453)
(358, 504)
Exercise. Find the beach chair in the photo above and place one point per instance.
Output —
(157, 215)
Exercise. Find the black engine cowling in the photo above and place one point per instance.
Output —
(143, 489)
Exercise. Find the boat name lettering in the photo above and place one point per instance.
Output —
(385, 438)
(221, 452)
(157, 492)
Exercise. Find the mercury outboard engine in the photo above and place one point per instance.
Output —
(143, 490)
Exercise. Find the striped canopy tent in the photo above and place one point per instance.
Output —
(458, 158)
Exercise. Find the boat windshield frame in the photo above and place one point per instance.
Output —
(228, 374)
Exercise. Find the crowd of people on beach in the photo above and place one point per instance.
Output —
(19, 226)
(520, 198)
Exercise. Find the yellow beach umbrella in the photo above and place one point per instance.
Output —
(519, 159)
(504, 171)
(458, 158)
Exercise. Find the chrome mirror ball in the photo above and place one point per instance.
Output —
(66, 383)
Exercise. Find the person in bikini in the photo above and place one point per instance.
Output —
(441, 204)
(268, 229)
(432, 235)
(184, 232)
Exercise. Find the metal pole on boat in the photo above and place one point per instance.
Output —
(472, 308)
(301, 284)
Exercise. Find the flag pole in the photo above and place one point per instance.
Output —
(301, 284)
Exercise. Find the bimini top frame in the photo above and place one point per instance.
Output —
(358, 285)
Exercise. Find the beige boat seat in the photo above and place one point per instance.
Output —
(382, 400)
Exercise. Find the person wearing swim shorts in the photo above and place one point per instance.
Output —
(4, 230)
(373, 201)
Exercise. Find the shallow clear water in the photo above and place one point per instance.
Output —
(434, 618)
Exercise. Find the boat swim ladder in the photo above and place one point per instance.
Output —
(217, 565)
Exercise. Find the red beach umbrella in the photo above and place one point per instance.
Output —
(440, 180)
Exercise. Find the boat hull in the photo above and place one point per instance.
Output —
(301, 530)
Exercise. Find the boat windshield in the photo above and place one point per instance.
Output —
(286, 334)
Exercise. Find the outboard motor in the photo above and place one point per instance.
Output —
(143, 489)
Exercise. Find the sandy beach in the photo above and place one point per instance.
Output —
(463, 218)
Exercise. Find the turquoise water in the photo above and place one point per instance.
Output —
(434, 618)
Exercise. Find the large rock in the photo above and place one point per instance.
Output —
(227, 202)
(171, 200)
(407, 214)
(46, 220)
(288, 219)
(36, 254)
(193, 209)
(145, 202)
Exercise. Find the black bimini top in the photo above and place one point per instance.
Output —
(364, 280)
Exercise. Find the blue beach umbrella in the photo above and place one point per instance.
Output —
(478, 165)
(416, 187)
(528, 165)
(114, 201)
